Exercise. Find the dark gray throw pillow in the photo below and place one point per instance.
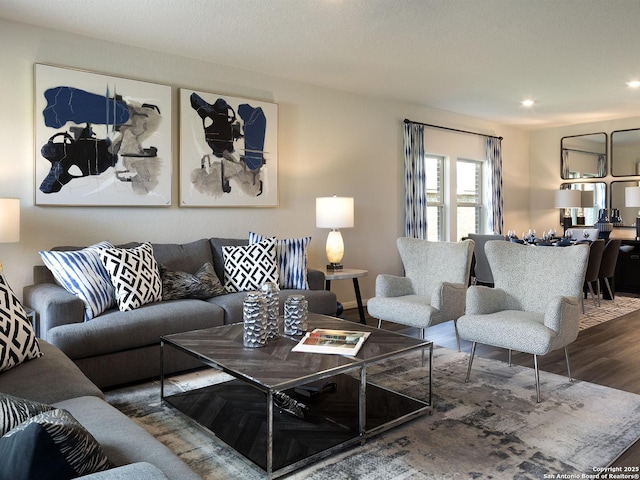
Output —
(202, 284)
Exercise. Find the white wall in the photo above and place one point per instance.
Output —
(545, 169)
(329, 143)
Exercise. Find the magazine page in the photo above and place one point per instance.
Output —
(340, 342)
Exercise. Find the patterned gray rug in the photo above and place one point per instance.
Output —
(608, 310)
(489, 428)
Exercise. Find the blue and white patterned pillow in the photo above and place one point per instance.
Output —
(81, 272)
(248, 267)
(292, 260)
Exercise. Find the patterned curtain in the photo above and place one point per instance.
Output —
(415, 182)
(602, 165)
(494, 156)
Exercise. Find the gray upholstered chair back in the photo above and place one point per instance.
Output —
(482, 270)
(428, 264)
(531, 276)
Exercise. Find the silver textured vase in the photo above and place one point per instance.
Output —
(254, 314)
(295, 315)
(271, 291)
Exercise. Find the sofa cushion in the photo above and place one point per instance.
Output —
(48, 379)
(202, 284)
(292, 260)
(187, 257)
(116, 331)
(82, 273)
(134, 274)
(18, 341)
(50, 445)
(248, 267)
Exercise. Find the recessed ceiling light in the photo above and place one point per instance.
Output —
(527, 103)
(634, 83)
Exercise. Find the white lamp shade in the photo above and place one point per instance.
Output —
(568, 198)
(632, 196)
(334, 212)
(9, 220)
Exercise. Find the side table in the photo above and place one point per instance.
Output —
(345, 274)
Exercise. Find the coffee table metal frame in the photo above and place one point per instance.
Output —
(379, 346)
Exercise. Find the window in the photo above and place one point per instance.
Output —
(434, 167)
(469, 196)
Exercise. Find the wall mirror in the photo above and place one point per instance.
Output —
(592, 202)
(625, 152)
(583, 156)
(628, 214)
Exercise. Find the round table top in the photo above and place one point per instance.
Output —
(344, 273)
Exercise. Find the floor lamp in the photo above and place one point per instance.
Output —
(632, 199)
(9, 221)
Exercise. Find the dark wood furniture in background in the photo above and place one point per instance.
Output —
(627, 277)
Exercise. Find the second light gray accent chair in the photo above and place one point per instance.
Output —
(481, 270)
(535, 304)
(433, 288)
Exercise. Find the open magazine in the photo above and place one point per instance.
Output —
(337, 342)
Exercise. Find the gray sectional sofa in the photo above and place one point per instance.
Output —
(121, 347)
(55, 380)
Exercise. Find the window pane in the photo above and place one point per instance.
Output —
(469, 182)
(433, 167)
(434, 224)
(468, 220)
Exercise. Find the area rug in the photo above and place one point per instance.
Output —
(608, 310)
(490, 427)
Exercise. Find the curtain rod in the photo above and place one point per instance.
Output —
(406, 120)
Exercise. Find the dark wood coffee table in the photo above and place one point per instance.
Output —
(242, 413)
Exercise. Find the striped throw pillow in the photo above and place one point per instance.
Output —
(81, 272)
(292, 260)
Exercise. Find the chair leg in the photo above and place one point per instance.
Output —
(422, 337)
(379, 323)
(608, 285)
(537, 374)
(566, 356)
(473, 352)
(509, 357)
(598, 290)
(593, 295)
(455, 326)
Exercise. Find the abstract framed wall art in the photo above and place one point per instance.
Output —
(101, 140)
(228, 151)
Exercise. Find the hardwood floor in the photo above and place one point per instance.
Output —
(607, 354)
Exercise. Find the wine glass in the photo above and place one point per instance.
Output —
(585, 233)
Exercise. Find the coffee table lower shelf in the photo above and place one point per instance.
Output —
(236, 413)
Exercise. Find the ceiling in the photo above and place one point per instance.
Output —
(473, 57)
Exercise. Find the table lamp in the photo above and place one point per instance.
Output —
(568, 199)
(9, 221)
(632, 199)
(334, 213)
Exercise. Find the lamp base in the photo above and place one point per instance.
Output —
(567, 223)
(335, 266)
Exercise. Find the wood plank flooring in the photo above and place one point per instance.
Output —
(607, 354)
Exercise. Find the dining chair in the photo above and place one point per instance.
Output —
(608, 264)
(534, 306)
(596, 249)
(432, 289)
(481, 271)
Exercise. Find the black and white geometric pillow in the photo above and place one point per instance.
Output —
(18, 341)
(50, 445)
(134, 274)
(292, 260)
(248, 267)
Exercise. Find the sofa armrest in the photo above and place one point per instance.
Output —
(53, 305)
(316, 279)
(392, 286)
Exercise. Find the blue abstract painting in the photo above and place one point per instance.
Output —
(101, 140)
(228, 151)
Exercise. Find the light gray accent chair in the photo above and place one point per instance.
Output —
(535, 304)
(481, 270)
(433, 288)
